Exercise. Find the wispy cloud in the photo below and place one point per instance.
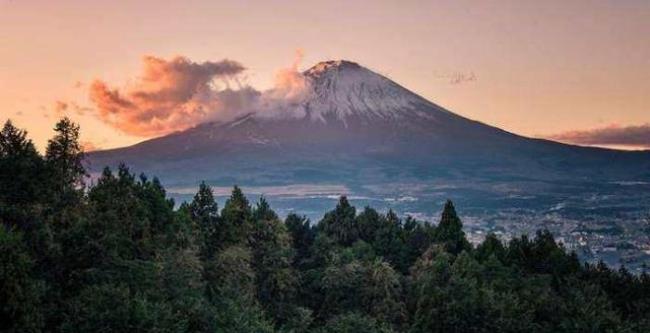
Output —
(62, 108)
(455, 78)
(613, 135)
(89, 146)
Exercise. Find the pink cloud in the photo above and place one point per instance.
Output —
(60, 107)
(170, 95)
(176, 94)
(89, 146)
(614, 135)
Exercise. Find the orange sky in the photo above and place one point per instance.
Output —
(539, 68)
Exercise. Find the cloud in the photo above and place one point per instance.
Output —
(62, 108)
(613, 135)
(88, 146)
(289, 90)
(459, 78)
(176, 94)
(456, 78)
(80, 110)
(290, 84)
(170, 95)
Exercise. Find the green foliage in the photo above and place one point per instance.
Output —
(203, 208)
(20, 293)
(204, 211)
(369, 224)
(541, 255)
(490, 247)
(232, 290)
(382, 293)
(450, 230)
(19, 162)
(276, 279)
(117, 257)
(354, 323)
(339, 224)
(22, 174)
(236, 220)
(113, 308)
(64, 158)
(230, 275)
(302, 236)
(417, 237)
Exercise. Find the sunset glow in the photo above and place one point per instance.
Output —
(543, 69)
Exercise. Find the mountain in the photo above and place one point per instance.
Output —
(358, 133)
(359, 126)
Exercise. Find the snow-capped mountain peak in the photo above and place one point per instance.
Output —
(325, 67)
(341, 89)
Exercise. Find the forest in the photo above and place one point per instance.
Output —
(116, 254)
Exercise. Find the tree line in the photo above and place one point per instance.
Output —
(117, 256)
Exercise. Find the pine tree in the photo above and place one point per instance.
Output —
(231, 288)
(203, 208)
(204, 211)
(388, 243)
(263, 211)
(20, 294)
(418, 237)
(14, 142)
(491, 246)
(368, 223)
(236, 219)
(382, 292)
(275, 278)
(450, 230)
(64, 157)
(302, 236)
(21, 177)
(340, 224)
(20, 165)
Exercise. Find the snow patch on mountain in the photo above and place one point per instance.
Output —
(342, 89)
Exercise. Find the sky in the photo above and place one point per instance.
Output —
(576, 71)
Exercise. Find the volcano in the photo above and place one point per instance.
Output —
(357, 133)
(355, 126)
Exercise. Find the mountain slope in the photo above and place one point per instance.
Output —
(355, 125)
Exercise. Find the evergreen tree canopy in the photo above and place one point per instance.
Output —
(118, 257)
(236, 219)
(14, 142)
(65, 155)
(204, 208)
(20, 293)
(22, 177)
(450, 230)
(339, 224)
(204, 211)
(302, 235)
